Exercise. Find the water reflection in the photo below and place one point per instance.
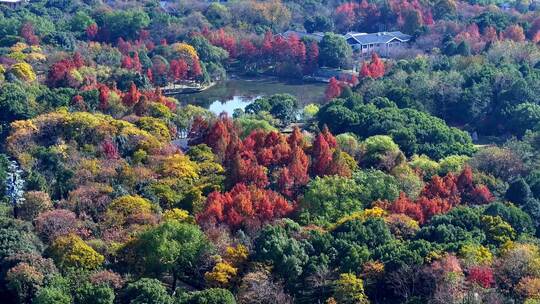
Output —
(239, 92)
(237, 102)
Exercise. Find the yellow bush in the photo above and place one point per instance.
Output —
(179, 166)
(36, 57)
(236, 255)
(176, 214)
(17, 56)
(92, 165)
(350, 289)
(425, 165)
(75, 74)
(221, 275)
(155, 127)
(140, 156)
(184, 49)
(72, 251)
(529, 287)
(23, 71)
(497, 229)
(361, 215)
(127, 206)
(374, 212)
(18, 47)
(474, 254)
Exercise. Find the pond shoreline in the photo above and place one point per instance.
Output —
(186, 89)
(178, 90)
(240, 90)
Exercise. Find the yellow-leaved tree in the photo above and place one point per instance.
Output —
(70, 251)
(128, 209)
(185, 50)
(349, 289)
(226, 269)
(23, 71)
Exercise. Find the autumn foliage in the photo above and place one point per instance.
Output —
(375, 69)
(247, 206)
(333, 89)
(350, 15)
(481, 275)
(267, 160)
(60, 72)
(442, 194)
(27, 32)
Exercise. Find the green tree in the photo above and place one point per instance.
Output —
(281, 106)
(218, 14)
(172, 247)
(376, 185)
(413, 21)
(17, 237)
(94, 294)
(288, 255)
(329, 198)
(145, 291)
(318, 23)
(16, 102)
(207, 52)
(124, 23)
(207, 296)
(249, 125)
(415, 132)
(452, 164)
(533, 180)
(52, 295)
(532, 207)
(396, 253)
(518, 192)
(80, 22)
(444, 8)
(463, 49)
(517, 218)
(334, 51)
(381, 152)
(523, 117)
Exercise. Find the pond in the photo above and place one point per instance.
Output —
(238, 92)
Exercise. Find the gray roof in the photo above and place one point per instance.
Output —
(380, 37)
(355, 37)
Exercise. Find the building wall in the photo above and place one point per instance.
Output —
(384, 50)
(12, 4)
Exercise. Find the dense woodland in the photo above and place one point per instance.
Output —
(377, 195)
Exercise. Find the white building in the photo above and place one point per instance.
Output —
(382, 43)
(13, 3)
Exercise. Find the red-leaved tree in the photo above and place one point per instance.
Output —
(481, 275)
(103, 97)
(364, 71)
(376, 67)
(333, 89)
(92, 31)
(27, 32)
(441, 194)
(293, 177)
(244, 206)
(132, 96)
(321, 156)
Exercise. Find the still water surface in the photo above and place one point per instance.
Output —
(238, 92)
